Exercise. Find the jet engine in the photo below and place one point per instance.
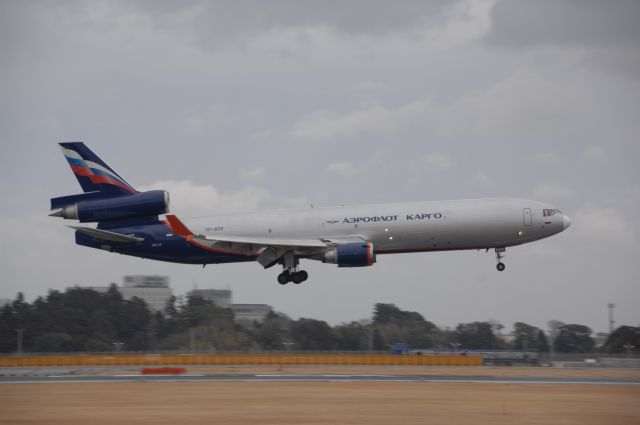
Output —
(142, 204)
(359, 254)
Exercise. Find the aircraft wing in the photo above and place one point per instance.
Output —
(107, 236)
(299, 243)
(266, 250)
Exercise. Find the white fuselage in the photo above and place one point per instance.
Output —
(401, 227)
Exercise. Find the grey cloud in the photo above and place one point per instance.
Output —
(216, 21)
(570, 22)
(388, 112)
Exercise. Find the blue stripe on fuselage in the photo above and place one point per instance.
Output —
(158, 246)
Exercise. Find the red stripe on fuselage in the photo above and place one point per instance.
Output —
(178, 227)
(221, 251)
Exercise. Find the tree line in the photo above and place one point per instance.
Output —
(83, 320)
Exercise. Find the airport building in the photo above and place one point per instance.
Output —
(245, 314)
(153, 289)
(220, 297)
(248, 313)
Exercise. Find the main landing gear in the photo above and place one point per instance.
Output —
(291, 273)
(500, 253)
(292, 276)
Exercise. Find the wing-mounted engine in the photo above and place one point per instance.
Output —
(87, 208)
(356, 254)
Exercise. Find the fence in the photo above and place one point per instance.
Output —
(242, 360)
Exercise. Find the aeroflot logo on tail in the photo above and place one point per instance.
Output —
(377, 218)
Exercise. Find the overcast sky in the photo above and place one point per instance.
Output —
(250, 105)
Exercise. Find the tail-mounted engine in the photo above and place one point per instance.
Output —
(86, 209)
(358, 254)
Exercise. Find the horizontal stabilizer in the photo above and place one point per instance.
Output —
(106, 235)
(178, 226)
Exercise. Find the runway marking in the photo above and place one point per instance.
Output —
(309, 379)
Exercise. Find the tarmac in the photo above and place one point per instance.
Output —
(317, 378)
(320, 396)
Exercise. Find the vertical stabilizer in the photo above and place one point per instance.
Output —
(93, 174)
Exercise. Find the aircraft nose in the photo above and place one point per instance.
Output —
(566, 221)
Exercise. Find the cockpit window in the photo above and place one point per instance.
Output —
(548, 212)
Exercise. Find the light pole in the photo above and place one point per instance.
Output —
(371, 329)
(612, 322)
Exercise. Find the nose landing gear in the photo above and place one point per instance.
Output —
(500, 253)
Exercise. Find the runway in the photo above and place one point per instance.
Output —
(322, 396)
(317, 378)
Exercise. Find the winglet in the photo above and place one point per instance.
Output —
(178, 227)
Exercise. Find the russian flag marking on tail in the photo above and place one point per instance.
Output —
(92, 173)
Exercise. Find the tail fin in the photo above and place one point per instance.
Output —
(93, 174)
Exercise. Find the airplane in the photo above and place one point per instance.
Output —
(130, 222)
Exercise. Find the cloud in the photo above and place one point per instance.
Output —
(322, 125)
(192, 199)
(31, 238)
(529, 22)
(253, 173)
(597, 224)
(552, 192)
(482, 178)
(439, 161)
(210, 23)
(196, 92)
(595, 153)
(342, 169)
(605, 34)
(465, 21)
(546, 157)
(374, 119)
(525, 103)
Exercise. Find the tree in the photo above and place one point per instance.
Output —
(574, 339)
(274, 333)
(352, 336)
(622, 340)
(311, 334)
(384, 314)
(53, 342)
(393, 325)
(529, 337)
(476, 335)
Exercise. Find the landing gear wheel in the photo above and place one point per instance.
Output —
(284, 277)
(300, 277)
(500, 252)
